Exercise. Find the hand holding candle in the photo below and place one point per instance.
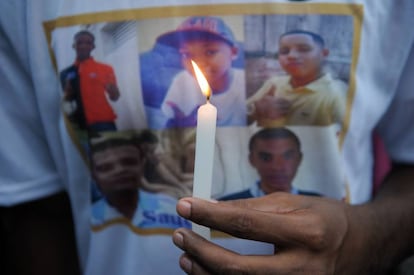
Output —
(204, 153)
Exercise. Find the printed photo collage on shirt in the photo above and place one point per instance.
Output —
(280, 83)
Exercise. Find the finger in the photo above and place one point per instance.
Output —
(272, 90)
(277, 202)
(291, 226)
(204, 257)
(200, 253)
(191, 266)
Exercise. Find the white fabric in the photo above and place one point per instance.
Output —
(380, 78)
(37, 156)
(27, 168)
(48, 162)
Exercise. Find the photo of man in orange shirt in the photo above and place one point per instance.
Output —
(89, 84)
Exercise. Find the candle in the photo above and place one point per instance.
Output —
(204, 153)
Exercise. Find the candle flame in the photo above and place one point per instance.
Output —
(202, 81)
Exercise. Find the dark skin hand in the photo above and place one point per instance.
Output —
(271, 107)
(112, 91)
(312, 235)
(68, 91)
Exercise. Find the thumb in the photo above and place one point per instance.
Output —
(271, 91)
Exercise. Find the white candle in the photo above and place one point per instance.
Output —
(204, 153)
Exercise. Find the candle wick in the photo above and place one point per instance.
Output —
(208, 98)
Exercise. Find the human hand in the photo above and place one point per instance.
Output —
(311, 236)
(271, 106)
(112, 90)
(68, 92)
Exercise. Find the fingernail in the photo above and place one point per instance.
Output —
(184, 208)
(178, 239)
(186, 264)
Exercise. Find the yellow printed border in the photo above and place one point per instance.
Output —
(355, 10)
(126, 222)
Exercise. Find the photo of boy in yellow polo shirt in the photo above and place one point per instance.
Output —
(306, 95)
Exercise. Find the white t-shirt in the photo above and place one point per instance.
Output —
(38, 157)
(374, 48)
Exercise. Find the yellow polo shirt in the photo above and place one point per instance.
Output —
(321, 102)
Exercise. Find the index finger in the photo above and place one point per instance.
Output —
(205, 257)
(251, 219)
(272, 90)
